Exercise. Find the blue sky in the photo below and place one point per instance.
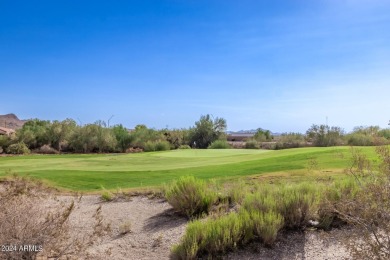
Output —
(279, 65)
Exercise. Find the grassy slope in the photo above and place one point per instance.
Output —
(91, 172)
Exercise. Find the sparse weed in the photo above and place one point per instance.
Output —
(125, 228)
(47, 227)
(157, 242)
(107, 196)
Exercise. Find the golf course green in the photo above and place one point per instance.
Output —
(91, 172)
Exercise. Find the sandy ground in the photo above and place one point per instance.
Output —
(155, 228)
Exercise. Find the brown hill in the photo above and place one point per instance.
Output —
(11, 121)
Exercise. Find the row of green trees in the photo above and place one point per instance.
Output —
(208, 132)
(321, 136)
(66, 136)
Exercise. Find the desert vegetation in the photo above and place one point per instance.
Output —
(360, 199)
(51, 137)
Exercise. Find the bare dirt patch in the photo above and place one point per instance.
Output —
(152, 227)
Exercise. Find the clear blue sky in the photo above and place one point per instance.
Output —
(279, 65)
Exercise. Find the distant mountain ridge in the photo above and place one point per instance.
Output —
(11, 121)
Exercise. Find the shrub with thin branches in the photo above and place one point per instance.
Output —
(190, 196)
(30, 227)
(366, 205)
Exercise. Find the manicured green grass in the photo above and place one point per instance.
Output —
(91, 172)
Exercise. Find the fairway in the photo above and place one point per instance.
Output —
(91, 172)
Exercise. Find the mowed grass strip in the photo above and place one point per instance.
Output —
(113, 171)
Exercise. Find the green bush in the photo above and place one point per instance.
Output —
(290, 140)
(219, 144)
(261, 202)
(162, 146)
(149, 146)
(251, 144)
(5, 141)
(214, 236)
(237, 192)
(218, 236)
(190, 196)
(333, 198)
(363, 201)
(262, 215)
(266, 225)
(297, 204)
(360, 140)
(184, 146)
(18, 148)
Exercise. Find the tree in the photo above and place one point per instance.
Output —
(34, 133)
(207, 131)
(323, 135)
(176, 137)
(123, 137)
(262, 135)
(59, 132)
(93, 138)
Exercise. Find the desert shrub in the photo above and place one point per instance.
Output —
(260, 201)
(358, 139)
(219, 144)
(184, 146)
(263, 213)
(46, 149)
(47, 228)
(18, 148)
(368, 135)
(297, 204)
(367, 206)
(149, 146)
(251, 144)
(162, 146)
(189, 196)
(134, 150)
(268, 145)
(214, 236)
(290, 140)
(217, 236)
(338, 191)
(266, 225)
(237, 192)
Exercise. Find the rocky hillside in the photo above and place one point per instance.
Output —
(11, 121)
